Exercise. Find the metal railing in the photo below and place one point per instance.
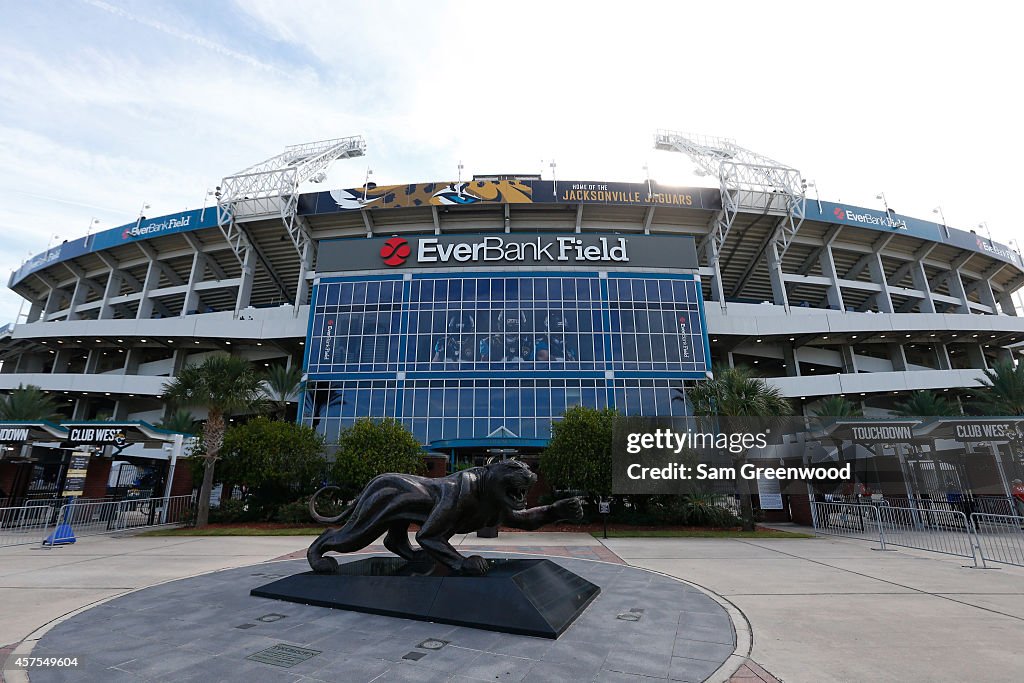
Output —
(1000, 538)
(25, 524)
(105, 517)
(850, 520)
(937, 531)
(940, 531)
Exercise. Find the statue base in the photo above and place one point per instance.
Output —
(527, 597)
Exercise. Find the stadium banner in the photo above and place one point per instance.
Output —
(508, 249)
(969, 240)
(860, 217)
(466, 193)
(130, 232)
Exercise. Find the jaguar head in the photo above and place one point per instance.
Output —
(510, 481)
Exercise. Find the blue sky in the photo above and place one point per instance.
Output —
(106, 105)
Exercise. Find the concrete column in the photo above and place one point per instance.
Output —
(120, 410)
(53, 301)
(942, 353)
(956, 289)
(897, 357)
(848, 363)
(245, 287)
(195, 275)
(145, 311)
(987, 296)
(133, 358)
(179, 362)
(1006, 303)
(921, 282)
(775, 274)
(62, 360)
(77, 297)
(302, 284)
(828, 269)
(877, 271)
(35, 311)
(81, 409)
(717, 292)
(92, 361)
(112, 289)
(976, 356)
(790, 357)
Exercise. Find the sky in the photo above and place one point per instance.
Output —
(106, 106)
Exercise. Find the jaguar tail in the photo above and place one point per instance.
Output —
(341, 516)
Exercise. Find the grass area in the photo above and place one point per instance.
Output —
(229, 530)
(697, 533)
(281, 530)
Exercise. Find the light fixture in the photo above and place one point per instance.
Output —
(143, 341)
(259, 343)
(228, 343)
(854, 337)
(758, 341)
(908, 336)
(120, 340)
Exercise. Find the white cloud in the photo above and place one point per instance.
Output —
(880, 97)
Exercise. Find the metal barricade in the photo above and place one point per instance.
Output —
(940, 531)
(23, 525)
(851, 520)
(104, 517)
(937, 531)
(1000, 538)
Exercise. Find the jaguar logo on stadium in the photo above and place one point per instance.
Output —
(395, 251)
(840, 212)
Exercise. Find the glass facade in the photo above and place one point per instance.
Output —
(461, 357)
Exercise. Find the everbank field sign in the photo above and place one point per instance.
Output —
(454, 251)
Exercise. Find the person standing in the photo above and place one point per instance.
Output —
(1017, 491)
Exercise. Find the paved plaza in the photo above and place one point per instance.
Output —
(804, 609)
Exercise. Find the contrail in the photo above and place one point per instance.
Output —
(191, 37)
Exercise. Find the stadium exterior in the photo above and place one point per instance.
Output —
(478, 311)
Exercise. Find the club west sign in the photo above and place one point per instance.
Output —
(524, 249)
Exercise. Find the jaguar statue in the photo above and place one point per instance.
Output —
(459, 503)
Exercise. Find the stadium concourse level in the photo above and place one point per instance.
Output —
(863, 303)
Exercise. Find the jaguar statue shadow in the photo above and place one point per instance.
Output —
(459, 503)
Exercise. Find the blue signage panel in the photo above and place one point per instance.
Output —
(847, 214)
(130, 232)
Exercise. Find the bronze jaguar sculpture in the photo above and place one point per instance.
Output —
(459, 503)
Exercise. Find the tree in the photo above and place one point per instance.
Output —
(1003, 390)
(282, 385)
(372, 447)
(277, 461)
(179, 421)
(579, 455)
(735, 392)
(837, 406)
(925, 404)
(223, 385)
(30, 404)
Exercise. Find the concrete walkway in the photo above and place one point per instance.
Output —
(820, 609)
(834, 610)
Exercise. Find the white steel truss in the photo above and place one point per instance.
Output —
(271, 188)
(747, 180)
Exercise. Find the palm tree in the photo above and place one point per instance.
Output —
(837, 406)
(736, 392)
(925, 404)
(223, 385)
(29, 404)
(1003, 390)
(179, 421)
(282, 385)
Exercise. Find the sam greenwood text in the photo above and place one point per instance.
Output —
(703, 471)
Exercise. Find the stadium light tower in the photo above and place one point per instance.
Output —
(747, 180)
(271, 188)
